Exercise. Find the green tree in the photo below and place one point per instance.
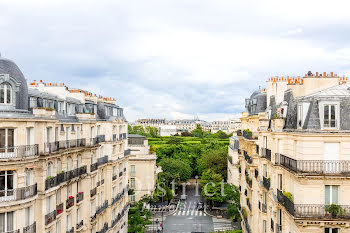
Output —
(138, 218)
(198, 131)
(215, 160)
(174, 140)
(214, 189)
(152, 131)
(175, 167)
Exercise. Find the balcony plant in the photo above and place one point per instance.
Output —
(288, 195)
(334, 209)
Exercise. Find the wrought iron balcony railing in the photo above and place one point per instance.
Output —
(71, 230)
(93, 167)
(65, 144)
(30, 229)
(18, 193)
(79, 224)
(247, 157)
(50, 217)
(266, 153)
(283, 200)
(322, 167)
(19, 152)
(266, 182)
(323, 212)
(59, 208)
(102, 160)
(93, 192)
(102, 207)
(80, 197)
(127, 152)
(100, 138)
(69, 202)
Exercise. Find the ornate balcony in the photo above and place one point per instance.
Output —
(82, 170)
(127, 152)
(283, 200)
(266, 182)
(80, 197)
(247, 157)
(93, 167)
(102, 207)
(18, 194)
(102, 160)
(69, 202)
(19, 152)
(93, 192)
(100, 138)
(104, 229)
(59, 209)
(50, 217)
(30, 229)
(50, 147)
(65, 144)
(71, 230)
(114, 177)
(79, 225)
(266, 153)
(324, 212)
(315, 167)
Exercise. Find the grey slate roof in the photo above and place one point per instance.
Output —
(9, 67)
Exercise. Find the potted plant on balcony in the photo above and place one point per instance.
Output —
(288, 195)
(334, 210)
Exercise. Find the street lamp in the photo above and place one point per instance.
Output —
(196, 185)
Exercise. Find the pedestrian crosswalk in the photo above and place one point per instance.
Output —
(189, 213)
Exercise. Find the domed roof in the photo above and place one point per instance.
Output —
(9, 67)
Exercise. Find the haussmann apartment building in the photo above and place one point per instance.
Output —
(291, 158)
(63, 156)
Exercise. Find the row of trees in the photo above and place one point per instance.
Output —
(148, 132)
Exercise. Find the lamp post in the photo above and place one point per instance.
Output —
(197, 194)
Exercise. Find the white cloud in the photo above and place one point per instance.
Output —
(174, 59)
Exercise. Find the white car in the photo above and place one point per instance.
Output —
(183, 197)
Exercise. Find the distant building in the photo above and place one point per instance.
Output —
(167, 130)
(143, 169)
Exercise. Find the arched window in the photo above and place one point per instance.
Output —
(49, 169)
(5, 93)
(69, 163)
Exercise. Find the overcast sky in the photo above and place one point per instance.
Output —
(174, 59)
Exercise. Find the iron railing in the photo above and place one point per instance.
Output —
(127, 152)
(264, 208)
(104, 228)
(266, 182)
(331, 167)
(93, 192)
(102, 160)
(93, 167)
(283, 200)
(65, 144)
(69, 202)
(59, 209)
(50, 217)
(266, 153)
(18, 152)
(80, 196)
(247, 157)
(71, 230)
(322, 211)
(102, 207)
(18, 193)
(30, 229)
(100, 138)
(80, 224)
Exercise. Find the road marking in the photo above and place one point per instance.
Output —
(192, 212)
(183, 212)
(200, 213)
(188, 212)
(204, 214)
(196, 213)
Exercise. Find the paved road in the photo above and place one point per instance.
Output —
(189, 219)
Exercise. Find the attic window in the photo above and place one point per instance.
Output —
(329, 114)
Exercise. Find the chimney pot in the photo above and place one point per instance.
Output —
(316, 74)
(324, 74)
(331, 74)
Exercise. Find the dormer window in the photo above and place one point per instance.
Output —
(329, 117)
(5, 93)
(329, 114)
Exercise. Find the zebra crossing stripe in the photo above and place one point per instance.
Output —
(200, 213)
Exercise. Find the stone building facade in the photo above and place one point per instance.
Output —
(294, 161)
(63, 156)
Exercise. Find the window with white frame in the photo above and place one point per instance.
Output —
(132, 170)
(5, 93)
(330, 116)
(6, 142)
(331, 194)
(132, 183)
(33, 102)
(331, 230)
(7, 222)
